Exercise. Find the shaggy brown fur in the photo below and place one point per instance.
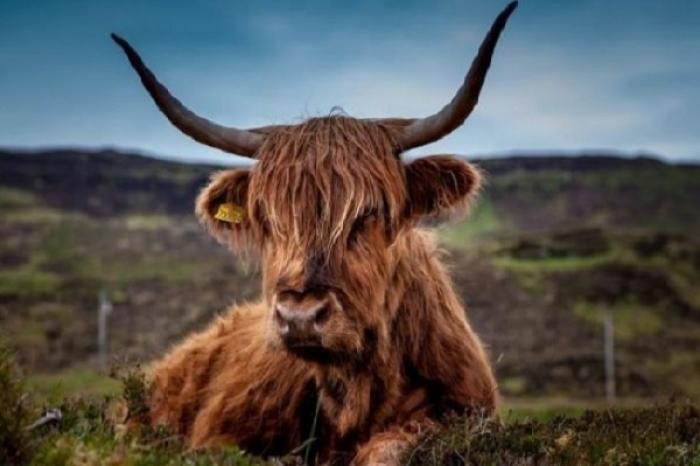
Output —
(331, 213)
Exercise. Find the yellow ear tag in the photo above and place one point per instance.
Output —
(230, 213)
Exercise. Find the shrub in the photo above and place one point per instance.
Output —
(661, 435)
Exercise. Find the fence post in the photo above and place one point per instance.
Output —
(103, 311)
(609, 348)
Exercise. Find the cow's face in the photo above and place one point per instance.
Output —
(324, 209)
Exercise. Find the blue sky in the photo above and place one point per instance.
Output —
(571, 75)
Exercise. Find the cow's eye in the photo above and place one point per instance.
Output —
(360, 225)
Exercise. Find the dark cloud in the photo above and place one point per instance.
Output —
(569, 75)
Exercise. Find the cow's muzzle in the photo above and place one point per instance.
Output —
(300, 318)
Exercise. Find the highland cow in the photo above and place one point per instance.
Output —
(359, 340)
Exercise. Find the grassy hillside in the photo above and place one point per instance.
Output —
(552, 244)
(523, 193)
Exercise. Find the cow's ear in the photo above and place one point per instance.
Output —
(440, 187)
(222, 208)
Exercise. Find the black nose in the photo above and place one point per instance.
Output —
(301, 322)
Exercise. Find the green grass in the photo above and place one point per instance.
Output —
(152, 268)
(95, 429)
(514, 410)
(71, 251)
(11, 198)
(553, 264)
(631, 318)
(518, 408)
(513, 385)
(686, 284)
(684, 362)
(147, 222)
(661, 435)
(654, 198)
(72, 382)
(481, 221)
(14, 439)
(25, 282)
(530, 183)
(28, 210)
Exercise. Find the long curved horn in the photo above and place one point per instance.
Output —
(228, 139)
(434, 127)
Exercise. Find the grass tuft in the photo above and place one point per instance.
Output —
(135, 395)
(661, 435)
(14, 440)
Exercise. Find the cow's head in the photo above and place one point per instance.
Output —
(326, 207)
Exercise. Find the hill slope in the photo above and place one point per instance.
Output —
(528, 192)
(553, 242)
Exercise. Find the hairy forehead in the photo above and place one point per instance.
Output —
(340, 139)
(325, 172)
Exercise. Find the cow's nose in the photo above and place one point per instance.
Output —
(301, 322)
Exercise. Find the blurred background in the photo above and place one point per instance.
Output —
(580, 265)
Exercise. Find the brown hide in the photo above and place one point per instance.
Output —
(395, 357)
